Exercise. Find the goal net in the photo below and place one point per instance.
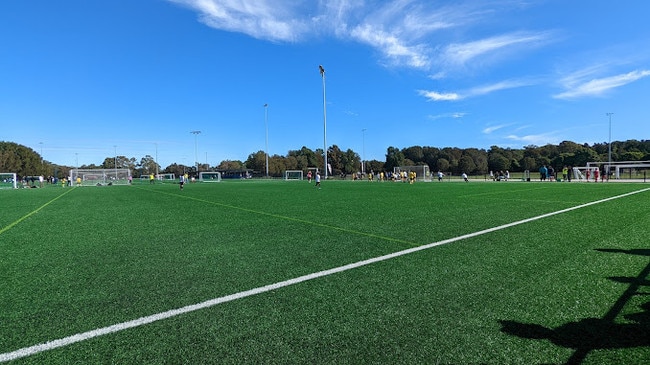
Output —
(210, 176)
(99, 177)
(421, 171)
(166, 177)
(8, 180)
(585, 173)
(293, 175)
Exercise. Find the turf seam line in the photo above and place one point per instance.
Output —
(79, 337)
(16, 222)
(293, 219)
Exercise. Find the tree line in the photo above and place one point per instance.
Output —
(474, 161)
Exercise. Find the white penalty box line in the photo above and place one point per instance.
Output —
(79, 337)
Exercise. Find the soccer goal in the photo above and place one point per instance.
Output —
(584, 173)
(8, 180)
(421, 171)
(166, 177)
(209, 176)
(99, 177)
(293, 175)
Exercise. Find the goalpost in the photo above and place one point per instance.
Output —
(210, 176)
(584, 173)
(8, 180)
(99, 177)
(422, 172)
(293, 175)
(166, 177)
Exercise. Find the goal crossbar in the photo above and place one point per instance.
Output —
(210, 176)
(8, 180)
(99, 177)
(293, 175)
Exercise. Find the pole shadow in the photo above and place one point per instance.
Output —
(598, 333)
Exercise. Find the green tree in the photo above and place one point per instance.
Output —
(442, 164)
(415, 154)
(147, 165)
(466, 164)
(394, 158)
(377, 166)
(498, 162)
(257, 161)
(350, 161)
(230, 165)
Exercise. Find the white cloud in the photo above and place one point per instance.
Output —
(455, 115)
(462, 53)
(391, 46)
(261, 19)
(494, 128)
(436, 96)
(498, 86)
(578, 87)
(476, 91)
(536, 139)
(407, 33)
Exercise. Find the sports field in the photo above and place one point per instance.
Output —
(252, 272)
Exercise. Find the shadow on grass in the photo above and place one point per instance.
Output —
(598, 333)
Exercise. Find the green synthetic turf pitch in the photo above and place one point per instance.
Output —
(570, 287)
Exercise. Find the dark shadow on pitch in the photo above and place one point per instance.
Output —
(598, 333)
(590, 333)
(637, 251)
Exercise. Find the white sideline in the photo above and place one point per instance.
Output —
(50, 345)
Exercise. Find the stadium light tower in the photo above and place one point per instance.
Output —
(115, 158)
(157, 172)
(266, 127)
(363, 158)
(609, 147)
(196, 154)
(322, 75)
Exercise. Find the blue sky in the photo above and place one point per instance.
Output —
(83, 79)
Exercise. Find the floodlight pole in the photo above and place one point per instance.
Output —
(115, 154)
(157, 172)
(322, 74)
(609, 148)
(266, 127)
(196, 154)
(363, 158)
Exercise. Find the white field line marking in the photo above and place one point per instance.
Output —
(50, 345)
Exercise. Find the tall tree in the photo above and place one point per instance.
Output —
(394, 158)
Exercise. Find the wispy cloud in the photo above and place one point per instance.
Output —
(536, 139)
(454, 115)
(261, 19)
(391, 46)
(475, 91)
(462, 53)
(578, 85)
(407, 33)
(494, 128)
(436, 96)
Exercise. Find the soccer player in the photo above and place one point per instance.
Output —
(317, 180)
